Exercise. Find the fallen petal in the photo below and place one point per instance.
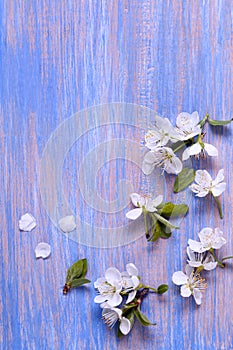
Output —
(27, 222)
(67, 224)
(43, 250)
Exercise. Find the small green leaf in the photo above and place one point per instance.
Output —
(184, 179)
(219, 122)
(142, 318)
(163, 288)
(164, 221)
(77, 270)
(85, 267)
(159, 231)
(156, 232)
(174, 210)
(77, 282)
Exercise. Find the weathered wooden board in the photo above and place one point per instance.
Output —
(60, 57)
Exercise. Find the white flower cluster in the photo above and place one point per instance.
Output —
(187, 129)
(111, 288)
(201, 256)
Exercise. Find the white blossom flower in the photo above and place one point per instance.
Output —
(162, 133)
(205, 260)
(111, 315)
(163, 157)
(143, 203)
(191, 283)
(209, 238)
(200, 147)
(205, 184)
(187, 125)
(109, 288)
(130, 281)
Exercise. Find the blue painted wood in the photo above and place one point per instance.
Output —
(61, 57)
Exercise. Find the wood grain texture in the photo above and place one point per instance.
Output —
(58, 57)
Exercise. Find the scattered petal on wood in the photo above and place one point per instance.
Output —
(27, 222)
(67, 224)
(43, 250)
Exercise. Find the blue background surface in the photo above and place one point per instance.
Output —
(58, 58)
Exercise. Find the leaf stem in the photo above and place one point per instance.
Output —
(204, 120)
(145, 222)
(227, 257)
(219, 206)
(151, 289)
(220, 263)
(179, 147)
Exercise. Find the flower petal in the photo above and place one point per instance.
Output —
(131, 269)
(179, 278)
(125, 325)
(191, 254)
(218, 189)
(131, 296)
(100, 298)
(27, 222)
(99, 282)
(135, 281)
(173, 166)
(193, 263)
(185, 291)
(188, 270)
(210, 265)
(137, 200)
(195, 149)
(203, 178)
(197, 296)
(157, 201)
(199, 190)
(67, 224)
(219, 177)
(134, 213)
(186, 154)
(115, 300)
(211, 150)
(43, 250)
(195, 246)
(219, 243)
(112, 275)
(152, 204)
(147, 168)
(150, 157)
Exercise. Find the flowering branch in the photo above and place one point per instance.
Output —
(120, 297)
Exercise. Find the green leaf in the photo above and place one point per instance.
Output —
(77, 282)
(156, 231)
(159, 231)
(164, 221)
(163, 288)
(85, 267)
(174, 210)
(77, 270)
(219, 122)
(184, 179)
(142, 318)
